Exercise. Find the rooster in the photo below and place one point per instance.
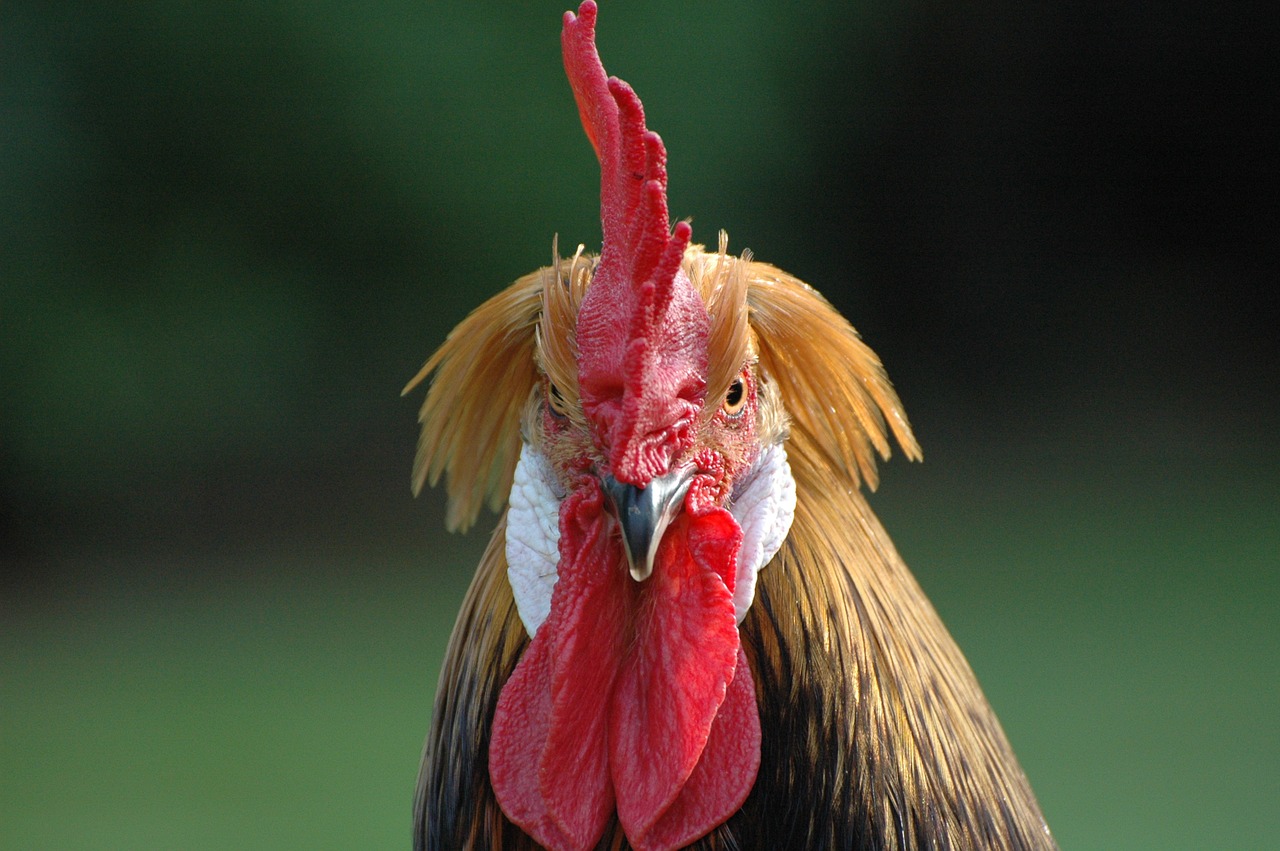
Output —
(688, 629)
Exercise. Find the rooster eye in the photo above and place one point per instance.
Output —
(735, 399)
(556, 402)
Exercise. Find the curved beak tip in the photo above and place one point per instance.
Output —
(644, 513)
(640, 572)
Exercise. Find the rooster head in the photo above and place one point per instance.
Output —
(634, 697)
(628, 408)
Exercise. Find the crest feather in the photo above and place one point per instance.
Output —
(481, 378)
(826, 374)
(564, 286)
(721, 281)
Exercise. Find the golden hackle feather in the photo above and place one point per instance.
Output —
(722, 282)
(487, 641)
(481, 378)
(875, 734)
(826, 374)
(563, 286)
(841, 627)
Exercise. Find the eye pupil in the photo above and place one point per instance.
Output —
(735, 398)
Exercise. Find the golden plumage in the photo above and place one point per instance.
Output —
(875, 733)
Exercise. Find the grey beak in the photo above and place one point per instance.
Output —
(643, 515)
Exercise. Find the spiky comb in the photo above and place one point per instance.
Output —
(642, 329)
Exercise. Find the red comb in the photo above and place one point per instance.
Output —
(642, 329)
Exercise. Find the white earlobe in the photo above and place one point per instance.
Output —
(533, 537)
(764, 504)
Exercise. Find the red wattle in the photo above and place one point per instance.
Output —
(632, 697)
(674, 680)
(723, 776)
(548, 760)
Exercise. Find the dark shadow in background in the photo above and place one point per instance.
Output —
(229, 235)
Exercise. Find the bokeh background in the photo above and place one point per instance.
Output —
(230, 232)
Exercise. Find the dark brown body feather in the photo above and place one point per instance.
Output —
(874, 732)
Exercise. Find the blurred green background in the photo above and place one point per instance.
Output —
(230, 232)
